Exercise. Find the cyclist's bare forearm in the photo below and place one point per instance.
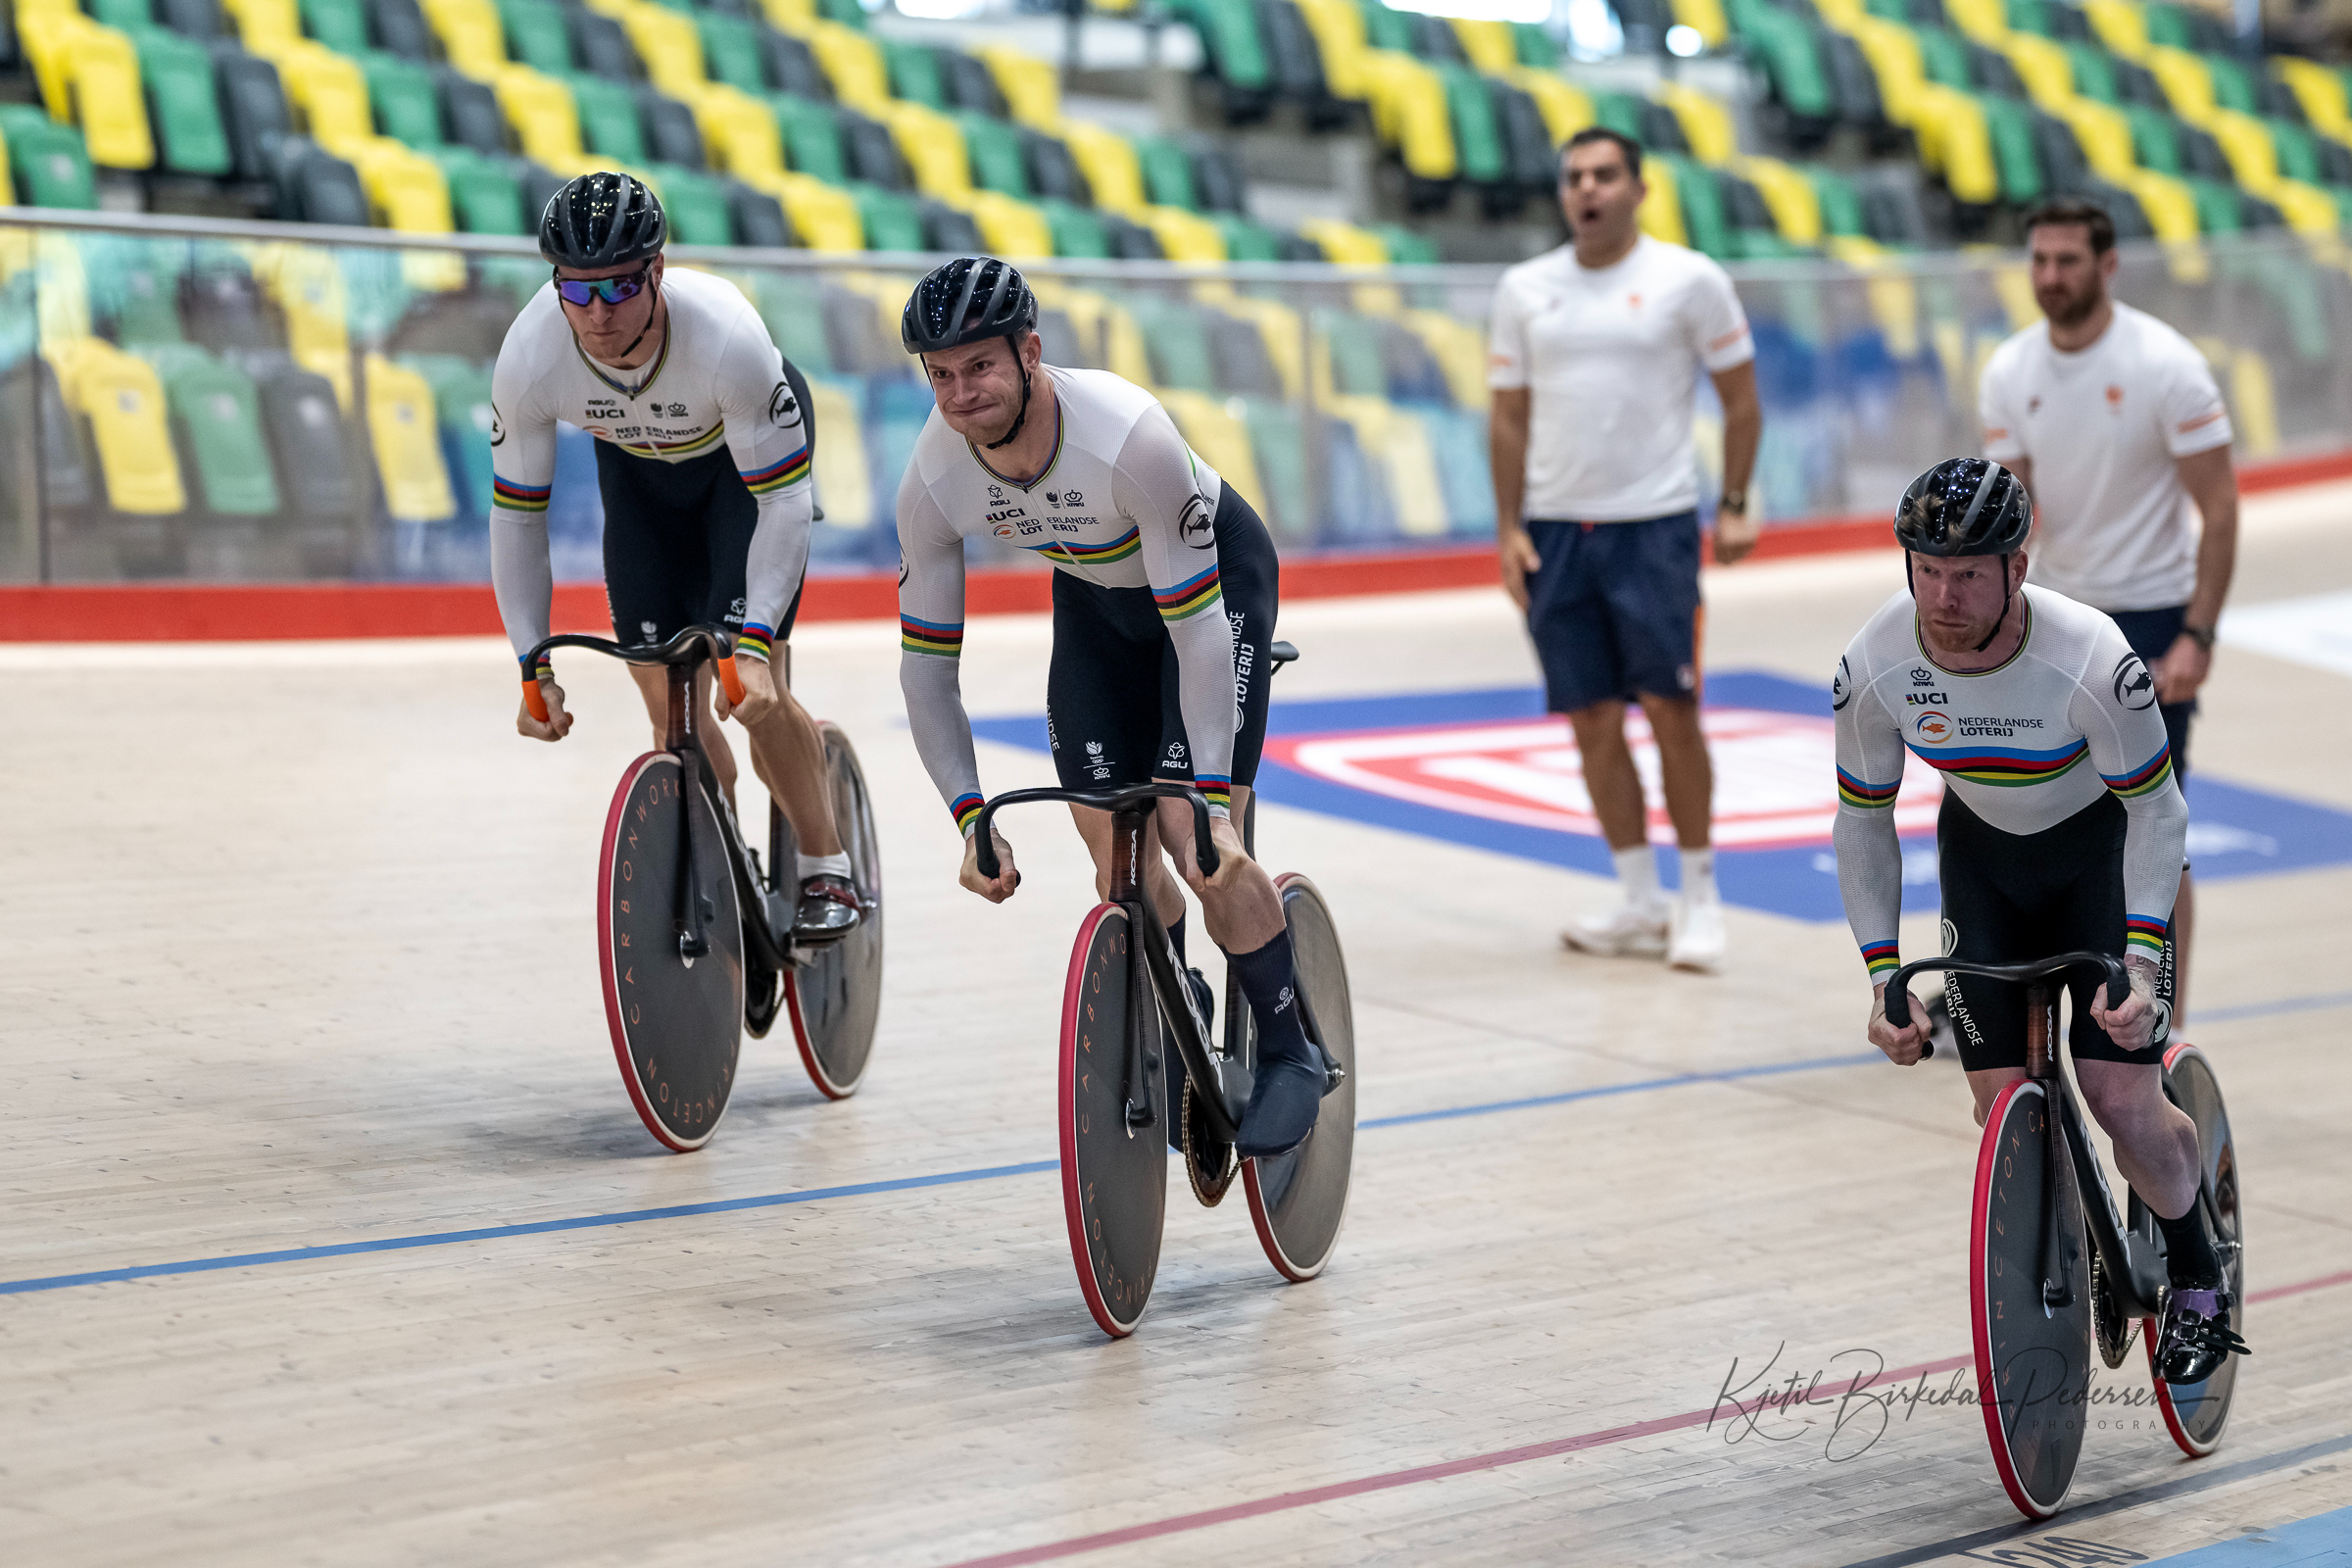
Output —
(789, 754)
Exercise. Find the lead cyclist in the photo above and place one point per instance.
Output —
(1162, 571)
(703, 461)
(2061, 829)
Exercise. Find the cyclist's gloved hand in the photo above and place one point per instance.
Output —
(1901, 1046)
(758, 692)
(2133, 1025)
(558, 723)
(1008, 878)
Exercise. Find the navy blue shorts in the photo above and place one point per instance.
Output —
(1614, 610)
(2151, 634)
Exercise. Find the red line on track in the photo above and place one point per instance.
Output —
(1283, 1502)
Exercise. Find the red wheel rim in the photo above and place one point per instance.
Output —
(1073, 1207)
(1987, 1384)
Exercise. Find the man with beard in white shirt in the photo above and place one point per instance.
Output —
(2113, 423)
(1596, 352)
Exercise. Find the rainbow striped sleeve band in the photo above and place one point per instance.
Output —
(1881, 958)
(2144, 936)
(942, 638)
(965, 808)
(2145, 779)
(755, 640)
(545, 671)
(1868, 796)
(1189, 597)
(514, 496)
(777, 475)
(1216, 788)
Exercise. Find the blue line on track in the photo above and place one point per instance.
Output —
(955, 1177)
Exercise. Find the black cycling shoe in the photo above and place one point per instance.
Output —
(829, 910)
(1283, 1103)
(2197, 1338)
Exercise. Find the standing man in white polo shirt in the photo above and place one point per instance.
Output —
(1598, 348)
(2115, 424)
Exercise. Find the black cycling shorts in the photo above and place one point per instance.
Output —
(2011, 898)
(677, 536)
(1114, 715)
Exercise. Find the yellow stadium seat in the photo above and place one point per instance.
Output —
(1660, 214)
(667, 41)
(2187, 80)
(1010, 226)
(1338, 29)
(1841, 14)
(1031, 88)
(1984, 20)
(845, 487)
(2105, 135)
(406, 188)
(1109, 161)
(2170, 205)
(1706, 19)
(329, 92)
(61, 299)
(740, 135)
(406, 434)
(1707, 123)
(2012, 285)
(1345, 243)
(1892, 51)
(1213, 429)
(795, 17)
(1460, 348)
(310, 289)
(90, 74)
(15, 255)
(470, 34)
(1487, 43)
(123, 399)
(2043, 67)
(2308, 209)
(1794, 202)
(2120, 25)
(1409, 112)
(1955, 142)
(262, 24)
(1107, 326)
(853, 63)
(542, 112)
(824, 218)
(932, 146)
(1185, 236)
(1565, 107)
(1397, 444)
(1278, 324)
(2253, 405)
(2326, 99)
(2247, 143)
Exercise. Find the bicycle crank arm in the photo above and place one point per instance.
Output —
(1229, 1078)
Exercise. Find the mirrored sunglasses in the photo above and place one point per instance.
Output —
(612, 290)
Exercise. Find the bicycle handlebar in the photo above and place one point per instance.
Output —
(1204, 850)
(691, 646)
(1898, 995)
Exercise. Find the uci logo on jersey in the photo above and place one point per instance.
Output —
(1925, 699)
(1933, 727)
(2135, 687)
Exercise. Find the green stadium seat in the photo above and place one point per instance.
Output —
(1944, 56)
(537, 34)
(1478, 146)
(1231, 39)
(484, 195)
(794, 309)
(2094, 72)
(407, 104)
(51, 168)
(893, 219)
(731, 50)
(1388, 29)
(1245, 240)
(2233, 85)
(217, 417)
(813, 142)
(2155, 140)
(993, 148)
(340, 25)
(2298, 151)
(461, 403)
(1078, 231)
(1701, 199)
(125, 15)
(1841, 203)
(695, 204)
(1536, 47)
(1407, 247)
(1278, 440)
(914, 74)
(182, 102)
(1167, 173)
(2010, 124)
(609, 122)
(1782, 47)
(1177, 342)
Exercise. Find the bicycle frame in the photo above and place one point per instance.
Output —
(2136, 1274)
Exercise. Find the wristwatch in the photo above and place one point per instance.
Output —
(2202, 636)
(1735, 500)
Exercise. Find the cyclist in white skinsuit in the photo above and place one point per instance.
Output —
(703, 461)
(2061, 830)
(1164, 590)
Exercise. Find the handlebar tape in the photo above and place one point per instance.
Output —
(730, 680)
(535, 700)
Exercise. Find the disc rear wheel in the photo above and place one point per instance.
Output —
(836, 994)
(2196, 1412)
(1297, 1200)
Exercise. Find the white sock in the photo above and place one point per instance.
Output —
(1637, 875)
(824, 864)
(1699, 875)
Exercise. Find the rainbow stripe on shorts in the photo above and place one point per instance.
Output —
(943, 639)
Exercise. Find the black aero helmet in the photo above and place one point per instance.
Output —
(968, 300)
(1964, 507)
(602, 220)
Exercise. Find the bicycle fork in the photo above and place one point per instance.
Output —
(694, 907)
(2057, 1261)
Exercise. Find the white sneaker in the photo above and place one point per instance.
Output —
(1699, 938)
(1629, 930)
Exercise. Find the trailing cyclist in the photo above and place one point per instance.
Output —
(702, 462)
(2061, 829)
(1163, 610)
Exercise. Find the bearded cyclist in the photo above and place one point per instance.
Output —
(703, 463)
(2061, 829)
(1162, 574)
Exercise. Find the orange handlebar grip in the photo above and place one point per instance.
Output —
(534, 700)
(732, 681)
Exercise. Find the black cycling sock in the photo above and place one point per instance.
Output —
(2188, 1255)
(1176, 935)
(1271, 983)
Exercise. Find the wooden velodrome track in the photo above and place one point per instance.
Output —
(300, 975)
